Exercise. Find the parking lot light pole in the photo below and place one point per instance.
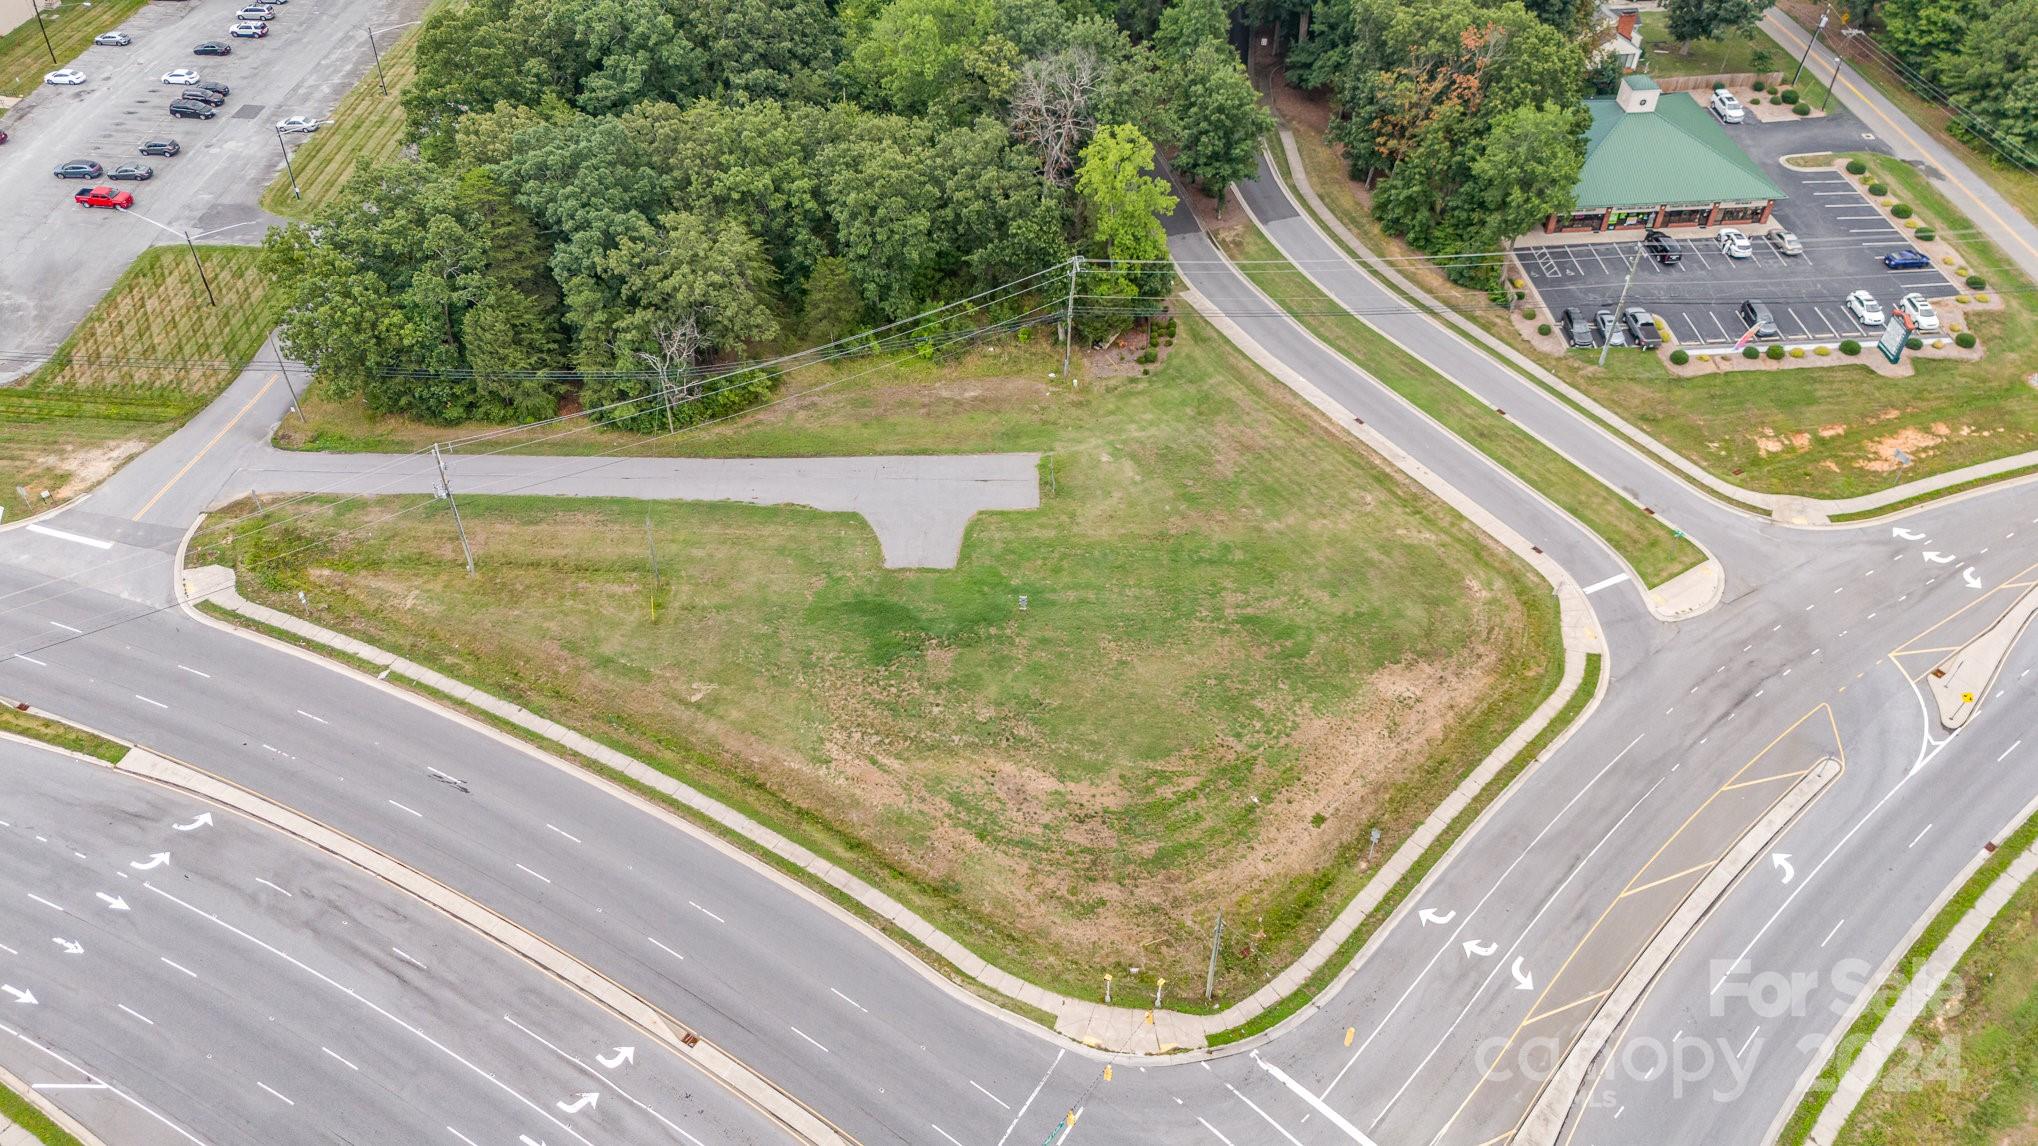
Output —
(190, 245)
(381, 79)
(285, 147)
(1808, 50)
(36, 7)
(1633, 263)
(1835, 81)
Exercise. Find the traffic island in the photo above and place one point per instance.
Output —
(1961, 682)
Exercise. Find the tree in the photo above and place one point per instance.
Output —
(1995, 78)
(1928, 34)
(952, 59)
(1122, 205)
(1187, 25)
(1527, 169)
(1711, 19)
(1051, 109)
(1218, 120)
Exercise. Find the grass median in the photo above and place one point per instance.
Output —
(1244, 644)
(26, 1115)
(62, 735)
(1656, 552)
(25, 57)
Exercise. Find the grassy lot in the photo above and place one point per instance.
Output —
(60, 734)
(1727, 56)
(25, 58)
(26, 1115)
(1656, 553)
(148, 356)
(1246, 644)
(367, 124)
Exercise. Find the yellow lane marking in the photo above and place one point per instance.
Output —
(1905, 649)
(1567, 1006)
(1668, 878)
(1768, 779)
(179, 475)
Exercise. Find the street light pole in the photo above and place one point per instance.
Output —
(200, 264)
(377, 52)
(1808, 50)
(285, 148)
(1630, 281)
(36, 7)
(1835, 81)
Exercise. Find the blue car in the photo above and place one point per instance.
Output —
(1906, 260)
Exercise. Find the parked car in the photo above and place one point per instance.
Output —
(1735, 245)
(1906, 260)
(1641, 328)
(248, 31)
(1662, 247)
(79, 169)
(206, 96)
(113, 39)
(1786, 243)
(1923, 318)
(1727, 107)
(1758, 319)
(182, 77)
(214, 86)
(64, 77)
(160, 146)
(135, 171)
(297, 123)
(191, 109)
(103, 197)
(259, 13)
(1865, 309)
(213, 48)
(1577, 329)
(1609, 328)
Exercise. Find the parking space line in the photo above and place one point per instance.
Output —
(1724, 336)
(1802, 328)
(1831, 330)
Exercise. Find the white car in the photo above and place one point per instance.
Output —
(183, 77)
(260, 12)
(1864, 308)
(297, 123)
(1923, 318)
(1735, 245)
(63, 76)
(246, 30)
(1727, 107)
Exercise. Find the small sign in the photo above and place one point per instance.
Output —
(1892, 342)
(1967, 698)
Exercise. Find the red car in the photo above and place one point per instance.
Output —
(104, 197)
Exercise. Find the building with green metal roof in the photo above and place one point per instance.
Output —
(1656, 162)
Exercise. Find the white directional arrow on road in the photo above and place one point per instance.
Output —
(204, 820)
(1781, 861)
(1523, 981)
(113, 902)
(582, 1101)
(1429, 916)
(1474, 947)
(155, 860)
(1938, 558)
(1907, 535)
(70, 946)
(20, 996)
(1970, 578)
(622, 1055)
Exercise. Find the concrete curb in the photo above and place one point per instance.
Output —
(12, 1135)
(1960, 683)
(41, 515)
(1551, 1109)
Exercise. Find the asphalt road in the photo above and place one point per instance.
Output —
(57, 258)
(175, 974)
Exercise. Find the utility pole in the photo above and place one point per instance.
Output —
(1210, 979)
(200, 264)
(1808, 50)
(652, 547)
(1633, 263)
(377, 52)
(36, 7)
(1068, 322)
(446, 487)
(1835, 81)
(294, 192)
(284, 366)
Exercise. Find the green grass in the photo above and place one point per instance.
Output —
(1996, 1025)
(1656, 552)
(367, 124)
(60, 734)
(1246, 645)
(24, 57)
(152, 353)
(29, 1117)
(1727, 56)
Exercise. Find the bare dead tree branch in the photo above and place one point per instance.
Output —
(1051, 108)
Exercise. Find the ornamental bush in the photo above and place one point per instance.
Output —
(1775, 353)
(1801, 109)
(1542, 328)
(1856, 167)
(1914, 343)
(1761, 86)
(1823, 351)
(1878, 187)
(1926, 234)
(1901, 210)
(1679, 357)
(1797, 352)
(1750, 352)
(1849, 346)
(1787, 95)
(1528, 312)
(1964, 340)
(1976, 282)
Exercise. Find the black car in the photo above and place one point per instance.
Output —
(1756, 316)
(135, 171)
(191, 109)
(1641, 328)
(213, 48)
(211, 86)
(161, 146)
(79, 169)
(1576, 327)
(1662, 247)
(203, 95)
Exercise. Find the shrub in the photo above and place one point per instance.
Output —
(1719, 85)
(1878, 188)
(1914, 343)
(1981, 298)
(1964, 340)
(1528, 312)
(1823, 351)
(1801, 109)
(1961, 298)
(1148, 355)
(1542, 328)
(1856, 167)
(1761, 86)
(1901, 210)
(1705, 358)
(1520, 295)
(1775, 353)
(1750, 352)
(1976, 282)
(1938, 344)
(1753, 100)
(1849, 346)
(1787, 95)
(1926, 234)
(1797, 352)
(1679, 357)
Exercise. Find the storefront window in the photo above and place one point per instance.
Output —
(1686, 216)
(1641, 218)
(1741, 212)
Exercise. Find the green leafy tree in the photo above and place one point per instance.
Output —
(953, 59)
(1218, 120)
(1122, 205)
(1187, 25)
(1928, 34)
(1527, 169)
(1995, 78)
(765, 49)
(1711, 19)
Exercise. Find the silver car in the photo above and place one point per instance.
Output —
(1786, 243)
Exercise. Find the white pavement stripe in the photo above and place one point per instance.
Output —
(567, 834)
(405, 956)
(608, 1079)
(267, 884)
(1830, 934)
(101, 1084)
(1036, 1094)
(195, 672)
(850, 1001)
(60, 535)
(529, 872)
(461, 1137)
(2011, 748)
(1315, 1103)
(309, 716)
(705, 911)
(274, 1091)
(1216, 1131)
(1609, 583)
(146, 700)
(31, 660)
(66, 628)
(342, 1061)
(989, 1095)
(944, 1134)
(45, 902)
(136, 1014)
(1263, 1114)
(179, 966)
(412, 811)
(811, 1039)
(1916, 838)
(667, 950)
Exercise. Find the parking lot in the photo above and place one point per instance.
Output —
(1844, 239)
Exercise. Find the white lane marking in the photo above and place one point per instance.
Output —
(403, 955)
(1830, 934)
(1206, 1126)
(418, 1032)
(1036, 1094)
(266, 883)
(146, 700)
(1916, 838)
(195, 672)
(1609, 583)
(179, 966)
(136, 1014)
(461, 1137)
(528, 871)
(667, 950)
(811, 1039)
(31, 660)
(412, 811)
(944, 1134)
(9, 950)
(568, 835)
(989, 1095)
(274, 1091)
(60, 535)
(1263, 1114)
(68, 1086)
(309, 716)
(66, 628)
(1315, 1103)
(342, 1061)
(706, 912)
(858, 1006)
(1750, 1039)
(608, 1080)
(46, 903)
(2011, 748)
